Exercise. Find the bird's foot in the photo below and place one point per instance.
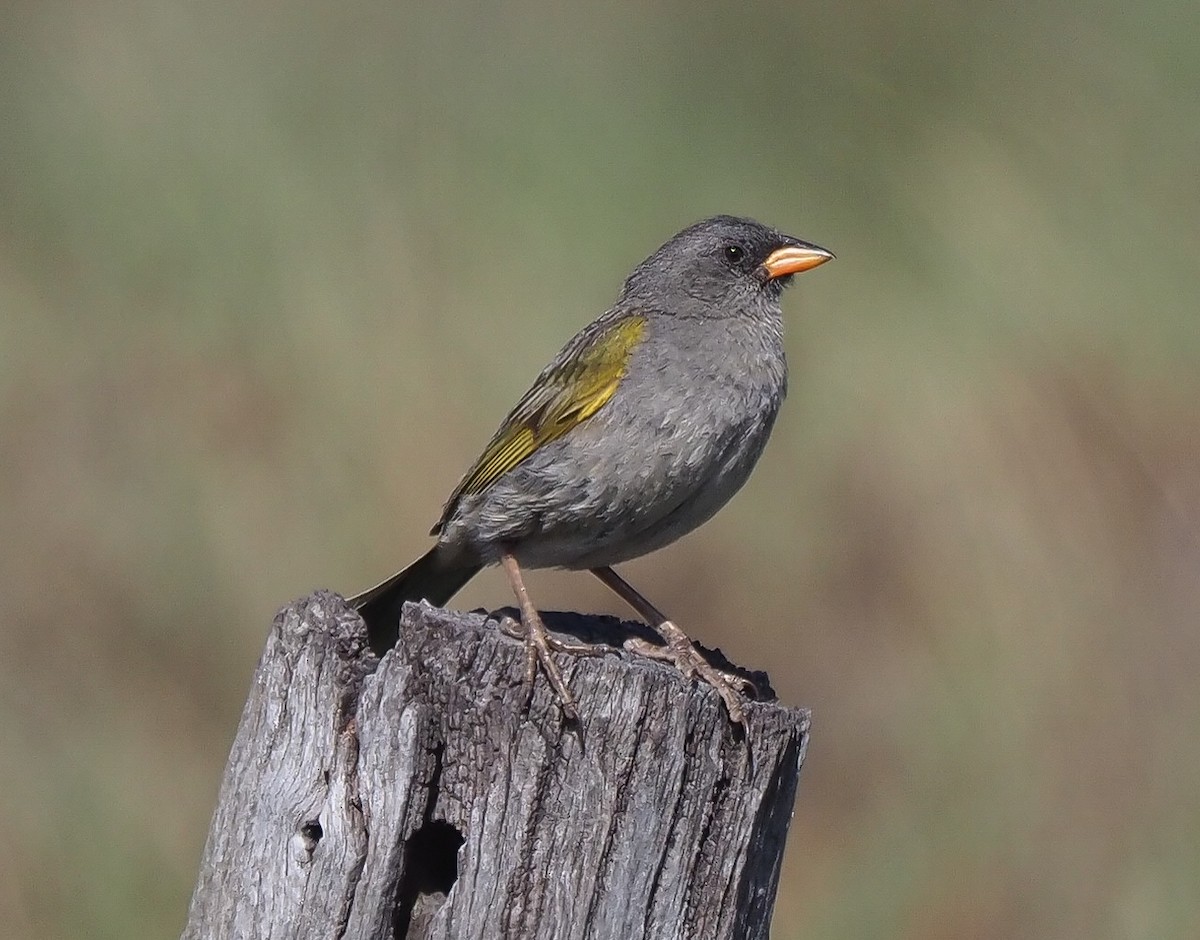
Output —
(539, 644)
(679, 650)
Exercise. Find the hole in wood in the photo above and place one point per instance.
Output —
(311, 832)
(430, 870)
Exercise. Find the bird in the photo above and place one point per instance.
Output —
(643, 426)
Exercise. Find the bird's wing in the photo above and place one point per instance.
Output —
(577, 384)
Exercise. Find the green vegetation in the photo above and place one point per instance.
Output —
(270, 273)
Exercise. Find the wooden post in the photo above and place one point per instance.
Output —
(416, 797)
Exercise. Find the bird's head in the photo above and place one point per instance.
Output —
(718, 266)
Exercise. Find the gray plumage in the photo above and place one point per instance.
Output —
(679, 436)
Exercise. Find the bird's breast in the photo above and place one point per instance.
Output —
(677, 439)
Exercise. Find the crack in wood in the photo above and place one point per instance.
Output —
(450, 810)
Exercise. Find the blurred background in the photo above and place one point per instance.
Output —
(270, 275)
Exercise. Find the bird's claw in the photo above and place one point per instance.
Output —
(539, 644)
(680, 651)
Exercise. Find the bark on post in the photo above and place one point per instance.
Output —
(415, 796)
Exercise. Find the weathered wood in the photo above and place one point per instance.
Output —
(415, 796)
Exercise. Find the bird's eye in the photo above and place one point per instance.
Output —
(734, 253)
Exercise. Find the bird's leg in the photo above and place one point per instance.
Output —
(678, 648)
(539, 643)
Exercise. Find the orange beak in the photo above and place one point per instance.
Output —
(792, 259)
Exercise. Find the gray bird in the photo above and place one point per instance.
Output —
(642, 427)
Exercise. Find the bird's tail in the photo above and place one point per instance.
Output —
(432, 577)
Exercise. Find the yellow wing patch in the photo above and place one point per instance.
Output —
(501, 456)
(566, 394)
